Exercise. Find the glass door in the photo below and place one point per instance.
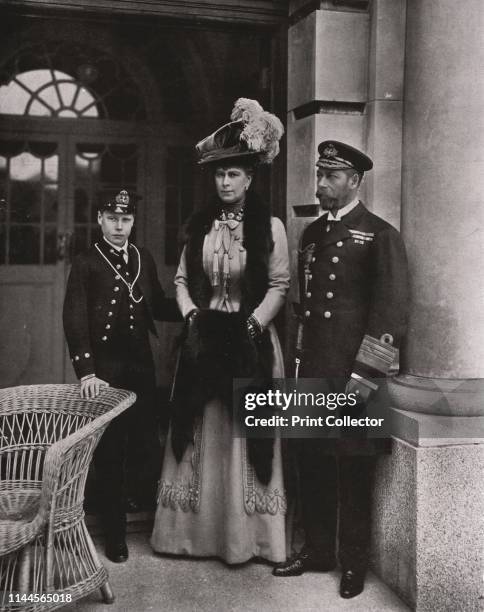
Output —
(31, 259)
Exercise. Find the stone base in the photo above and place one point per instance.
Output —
(428, 515)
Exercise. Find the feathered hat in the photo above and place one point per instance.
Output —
(252, 132)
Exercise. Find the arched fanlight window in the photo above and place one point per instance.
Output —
(49, 94)
(67, 80)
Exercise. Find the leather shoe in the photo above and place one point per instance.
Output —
(116, 551)
(303, 562)
(352, 583)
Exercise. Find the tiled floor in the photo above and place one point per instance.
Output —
(152, 582)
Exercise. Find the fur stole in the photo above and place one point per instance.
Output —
(216, 348)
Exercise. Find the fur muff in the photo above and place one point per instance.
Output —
(216, 349)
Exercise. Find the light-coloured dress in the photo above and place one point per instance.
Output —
(212, 504)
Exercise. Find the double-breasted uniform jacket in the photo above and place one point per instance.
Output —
(356, 286)
(102, 322)
(353, 288)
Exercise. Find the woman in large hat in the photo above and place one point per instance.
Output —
(221, 494)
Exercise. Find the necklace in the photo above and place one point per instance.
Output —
(232, 216)
(130, 286)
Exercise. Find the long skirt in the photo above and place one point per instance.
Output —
(211, 503)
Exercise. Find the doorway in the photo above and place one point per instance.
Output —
(74, 131)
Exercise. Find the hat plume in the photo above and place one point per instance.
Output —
(262, 130)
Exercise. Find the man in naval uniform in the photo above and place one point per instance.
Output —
(353, 288)
(112, 298)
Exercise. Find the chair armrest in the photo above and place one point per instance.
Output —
(67, 460)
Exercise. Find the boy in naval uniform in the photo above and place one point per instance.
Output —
(112, 298)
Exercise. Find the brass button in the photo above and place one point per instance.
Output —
(307, 313)
(327, 314)
(332, 277)
(87, 355)
(310, 276)
(117, 278)
(313, 259)
(329, 294)
(131, 316)
(110, 314)
(76, 358)
(104, 338)
(108, 326)
(131, 327)
(339, 243)
(335, 259)
(131, 306)
(308, 294)
(118, 267)
(113, 301)
(116, 288)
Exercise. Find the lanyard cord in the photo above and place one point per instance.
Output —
(129, 285)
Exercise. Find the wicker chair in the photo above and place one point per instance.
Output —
(47, 438)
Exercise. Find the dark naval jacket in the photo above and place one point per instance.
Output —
(102, 321)
(354, 300)
(356, 286)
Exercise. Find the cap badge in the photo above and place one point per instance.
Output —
(122, 198)
(330, 151)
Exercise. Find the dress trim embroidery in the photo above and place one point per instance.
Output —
(186, 495)
(257, 499)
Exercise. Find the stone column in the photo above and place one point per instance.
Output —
(385, 108)
(429, 504)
